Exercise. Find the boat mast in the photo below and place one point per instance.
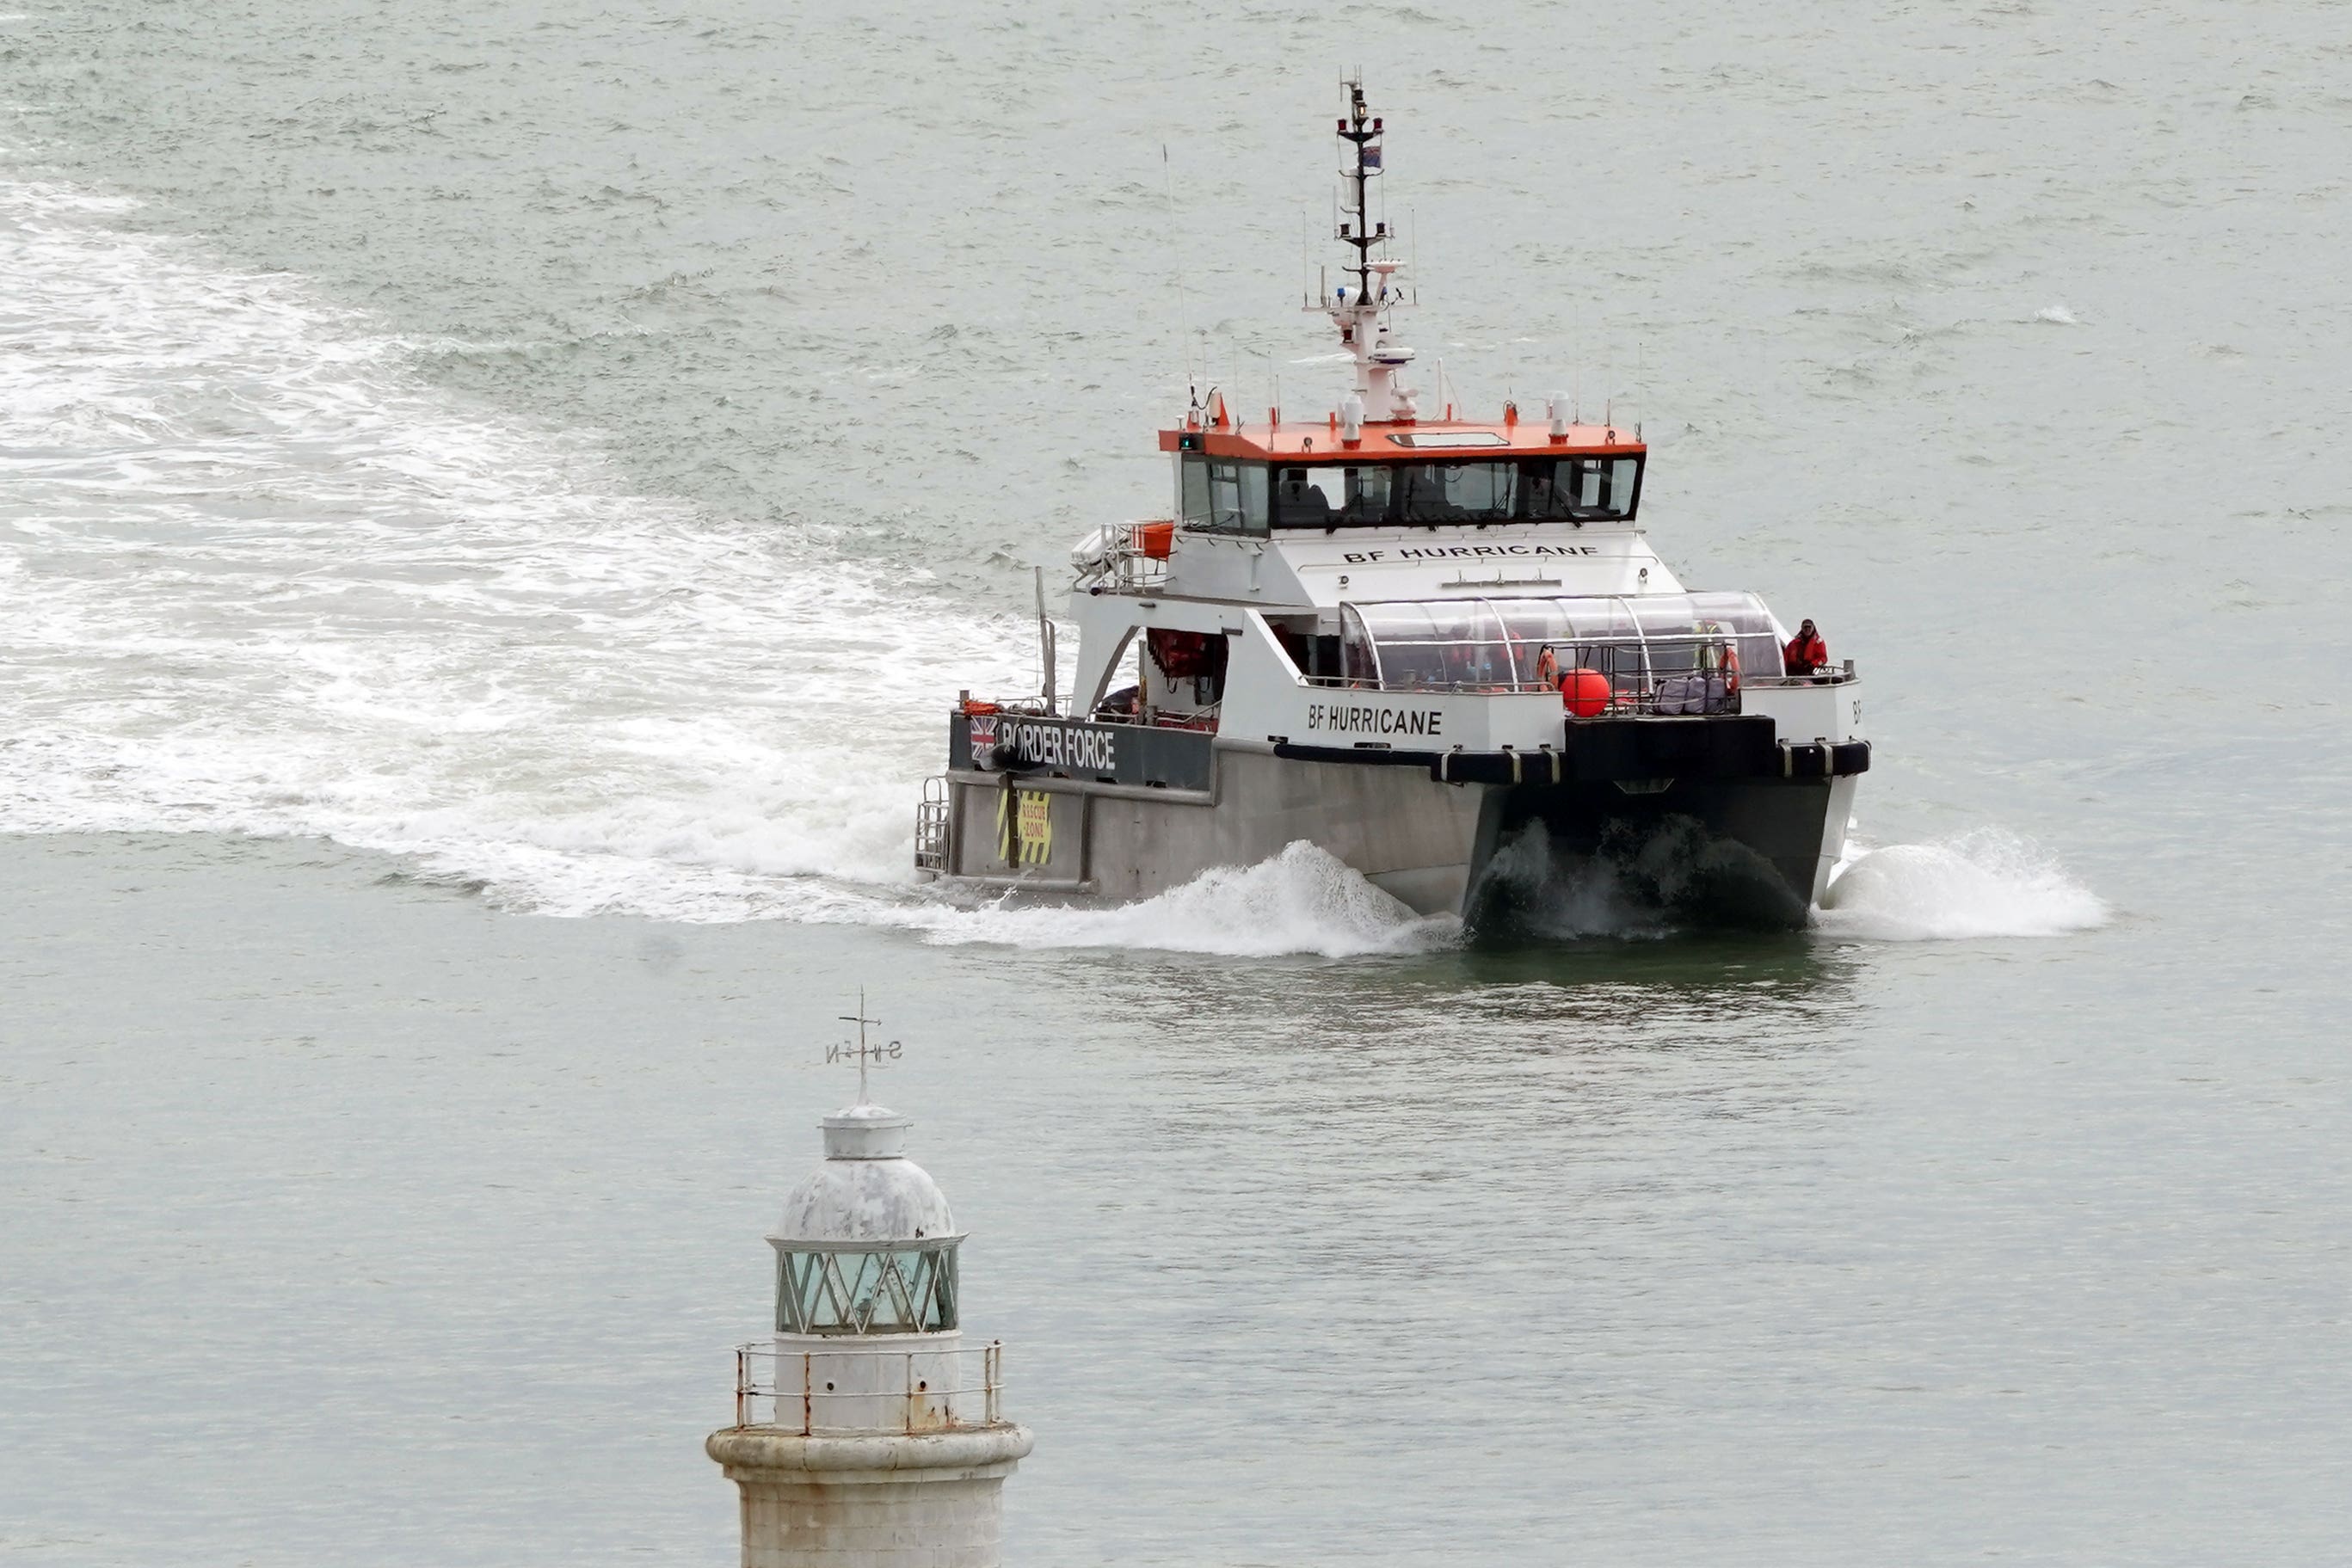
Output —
(1359, 309)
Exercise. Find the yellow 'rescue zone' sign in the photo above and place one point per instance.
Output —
(1024, 826)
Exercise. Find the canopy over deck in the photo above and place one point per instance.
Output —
(1500, 644)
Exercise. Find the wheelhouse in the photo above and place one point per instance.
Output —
(1238, 496)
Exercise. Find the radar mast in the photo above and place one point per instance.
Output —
(1361, 308)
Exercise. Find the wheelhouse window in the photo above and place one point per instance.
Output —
(1435, 495)
(1582, 489)
(1223, 497)
(1457, 492)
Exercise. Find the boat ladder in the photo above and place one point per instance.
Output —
(932, 826)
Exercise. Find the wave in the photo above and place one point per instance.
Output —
(1983, 883)
(259, 575)
(1303, 901)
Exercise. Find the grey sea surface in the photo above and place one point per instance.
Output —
(494, 500)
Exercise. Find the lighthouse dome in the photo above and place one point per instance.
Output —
(866, 1189)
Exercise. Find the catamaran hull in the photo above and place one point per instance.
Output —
(1754, 849)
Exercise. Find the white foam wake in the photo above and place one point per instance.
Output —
(257, 575)
(1982, 883)
(1303, 901)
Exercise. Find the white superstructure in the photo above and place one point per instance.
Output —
(1411, 640)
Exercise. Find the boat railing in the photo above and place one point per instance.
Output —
(869, 1388)
(1635, 676)
(1126, 557)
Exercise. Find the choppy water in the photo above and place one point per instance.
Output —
(463, 463)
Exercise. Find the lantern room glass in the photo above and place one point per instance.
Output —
(909, 1288)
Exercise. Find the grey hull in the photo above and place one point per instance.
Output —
(1425, 843)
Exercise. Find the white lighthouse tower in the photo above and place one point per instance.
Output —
(868, 1434)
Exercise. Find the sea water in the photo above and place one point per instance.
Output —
(497, 499)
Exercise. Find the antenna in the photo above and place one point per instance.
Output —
(1183, 308)
(1046, 656)
(1305, 258)
(1608, 379)
(1359, 129)
(862, 1052)
(1361, 307)
(1575, 362)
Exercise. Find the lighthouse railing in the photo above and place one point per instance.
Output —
(869, 1388)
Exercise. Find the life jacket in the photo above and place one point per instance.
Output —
(1805, 654)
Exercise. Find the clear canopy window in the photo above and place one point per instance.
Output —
(904, 1290)
(1526, 644)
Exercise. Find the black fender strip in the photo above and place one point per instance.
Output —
(1363, 755)
(1825, 760)
(1659, 748)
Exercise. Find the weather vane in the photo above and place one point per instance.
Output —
(862, 1052)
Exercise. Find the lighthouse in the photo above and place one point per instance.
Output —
(869, 1434)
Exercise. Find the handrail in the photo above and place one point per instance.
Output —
(1637, 663)
(1116, 557)
(908, 1399)
(1537, 688)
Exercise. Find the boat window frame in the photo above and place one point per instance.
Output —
(1228, 495)
(1525, 477)
(1193, 489)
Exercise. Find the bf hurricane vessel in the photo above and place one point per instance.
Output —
(1442, 650)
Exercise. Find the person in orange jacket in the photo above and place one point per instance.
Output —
(1806, 653)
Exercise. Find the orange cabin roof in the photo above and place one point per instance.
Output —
(1317, 441)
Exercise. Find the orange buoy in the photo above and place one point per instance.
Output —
(1584, 692)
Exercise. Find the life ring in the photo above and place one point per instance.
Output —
(1727, 646)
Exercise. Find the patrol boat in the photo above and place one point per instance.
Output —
(1443, 649)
